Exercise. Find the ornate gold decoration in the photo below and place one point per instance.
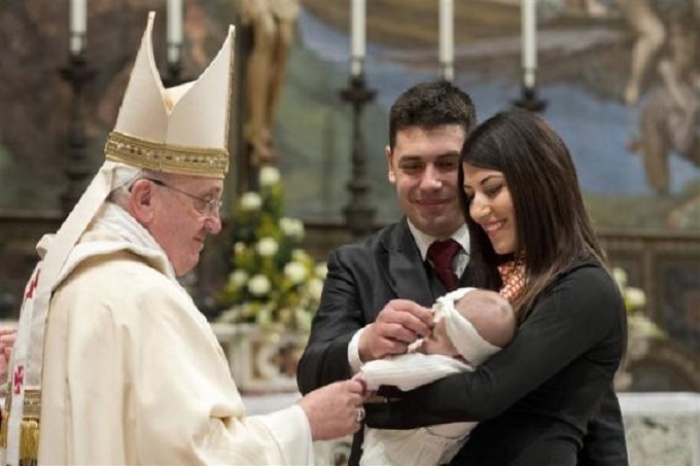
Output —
(168, 158)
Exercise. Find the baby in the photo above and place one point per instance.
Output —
(470, 326)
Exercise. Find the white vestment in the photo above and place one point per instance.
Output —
(133, 373)
(423, 446)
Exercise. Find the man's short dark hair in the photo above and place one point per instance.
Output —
(429, 105)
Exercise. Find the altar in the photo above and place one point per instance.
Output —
(662, 428)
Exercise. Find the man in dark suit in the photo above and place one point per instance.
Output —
(375, 289)
(377, 293)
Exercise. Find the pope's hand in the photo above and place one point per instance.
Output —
(335, 410)
(398, 325)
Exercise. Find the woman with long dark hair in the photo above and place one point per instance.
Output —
(551, 389)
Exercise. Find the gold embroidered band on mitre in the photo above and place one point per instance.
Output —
(169, 158)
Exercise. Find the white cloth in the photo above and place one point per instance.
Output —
(133, 373)
(411, 370)
(423, 242)
(463, 335)
(435, 444)
(423, 446)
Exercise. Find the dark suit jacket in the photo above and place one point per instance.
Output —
(363, 277)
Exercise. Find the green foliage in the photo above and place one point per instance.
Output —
(274, 282)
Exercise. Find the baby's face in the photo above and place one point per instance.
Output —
(438, 342)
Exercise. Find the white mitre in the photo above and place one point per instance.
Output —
(181, 130)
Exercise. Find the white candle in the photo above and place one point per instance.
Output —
(78, 26)
(447, 39)
(529, 43)
(174, 33)
(357, 28)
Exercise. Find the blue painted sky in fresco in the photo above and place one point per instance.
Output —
(596, 131)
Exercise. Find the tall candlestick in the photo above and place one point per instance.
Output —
(78, 26)
(447, 39)
(357, 28)
(174, 33)
(529, 43)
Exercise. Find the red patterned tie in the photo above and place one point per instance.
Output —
(441, 254)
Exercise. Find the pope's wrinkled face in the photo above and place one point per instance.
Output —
(185, 211)
(423, 166)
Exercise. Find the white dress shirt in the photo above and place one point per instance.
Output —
(423, 241)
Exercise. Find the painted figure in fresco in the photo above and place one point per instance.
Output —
(592, 8)
(686, 216)
(650, 21)
(649, 31)
(670, 118)
(273, 24)
(646, 18)
(650, 36)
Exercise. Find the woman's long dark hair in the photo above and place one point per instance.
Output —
(553, 227)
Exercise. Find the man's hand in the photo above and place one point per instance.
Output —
(335, 410)
(398, 325)
(7, 340)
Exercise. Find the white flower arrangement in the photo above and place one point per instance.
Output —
(259, 285)
(641, 330)
(238, 277)
(274, 282)
(250, 201)
(292, 227)
(296, 272)
(640, 326)
(321, 271)
(267, 247)
(269, 176)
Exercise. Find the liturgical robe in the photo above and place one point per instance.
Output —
(133, 373)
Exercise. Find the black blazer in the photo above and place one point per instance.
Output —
(519, 411)
(362, 278)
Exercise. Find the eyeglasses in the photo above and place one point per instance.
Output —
(201, 205)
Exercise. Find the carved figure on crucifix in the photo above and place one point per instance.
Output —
(272, 23)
